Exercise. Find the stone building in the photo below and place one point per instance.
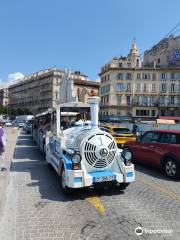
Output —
(4, 96)
(146, 91)
(164, 53)
(40, 90)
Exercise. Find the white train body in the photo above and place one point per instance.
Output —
(84, 155)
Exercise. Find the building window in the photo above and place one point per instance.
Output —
(128, 87)
(137, 63)
(105, 89)
(120, 76)
(154, 76)
(154, 87)
(138, 76)
(145, 87)
(129, 65)
(107, 98)
(142, 112)
(162, 112)
(145, 100)
(102, 79)
(118, 100)
(172, 76)
(137, 100)
(146, 76)
(102, 100)
(128, 76)
(163, 76)
(172, 100)
(159, 60)
(120, 65)
(153, 113)
(120, 87)
(162, 100)
(172, 87)
(137, 112)
(163, 87)
(128, 100)
(177, 75)
(154, 100)
(138, 87)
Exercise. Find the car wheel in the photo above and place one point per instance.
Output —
(170, 168)
(63, 186)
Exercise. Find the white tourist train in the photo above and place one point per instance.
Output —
(81, 153)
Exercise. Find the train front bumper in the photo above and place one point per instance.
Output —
(80, 179)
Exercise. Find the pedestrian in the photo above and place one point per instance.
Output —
(2, 145)
(136, 130)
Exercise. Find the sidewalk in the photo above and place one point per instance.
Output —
(11, 136)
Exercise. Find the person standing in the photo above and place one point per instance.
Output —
(136, 130)
(2, 145)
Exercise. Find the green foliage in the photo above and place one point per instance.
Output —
(14, 112)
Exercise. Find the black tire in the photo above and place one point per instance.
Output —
(63, 186)
(49, 165)
(170, 168)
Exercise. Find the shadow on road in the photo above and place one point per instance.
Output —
(25, 137)
(152, 171)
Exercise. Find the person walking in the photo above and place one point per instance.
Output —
(2, 145)
(136, 130)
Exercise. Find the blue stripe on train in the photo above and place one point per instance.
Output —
(129, 174)
(67, 162)
(77, 179)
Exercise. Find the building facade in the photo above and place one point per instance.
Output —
(146, 92)
(165, 53)
(4, 96)
(41, 90)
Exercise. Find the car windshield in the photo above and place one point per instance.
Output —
(121, 130)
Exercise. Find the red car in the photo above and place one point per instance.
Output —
(160, 148)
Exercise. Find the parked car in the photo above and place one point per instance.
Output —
(121, 134)
(8, 124)
(20, 124)
(160, 148)
(27, 126)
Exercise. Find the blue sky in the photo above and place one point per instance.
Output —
(80, 34)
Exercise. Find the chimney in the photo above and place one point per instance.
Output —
(94, 105)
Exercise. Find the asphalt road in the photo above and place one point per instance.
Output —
(36, 209)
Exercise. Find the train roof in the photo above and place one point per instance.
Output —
(73, 104)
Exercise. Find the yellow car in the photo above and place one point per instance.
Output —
(120, 134)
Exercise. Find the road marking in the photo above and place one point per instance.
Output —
(160, 188)
(96, 202)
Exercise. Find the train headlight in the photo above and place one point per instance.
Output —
(76, 158)
(127, 156)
